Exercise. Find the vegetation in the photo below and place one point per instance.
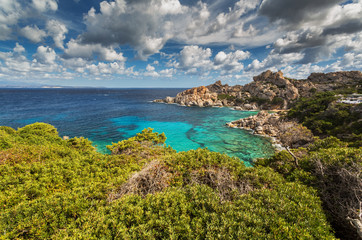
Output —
(277, 101)
(63, 189)
(226, 96)
(334, 169)
(326, 117)
(259, 101)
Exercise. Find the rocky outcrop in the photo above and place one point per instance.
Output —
(268, 91)
(269, 86)
(199, 96)
(285, 132)
(263, 123)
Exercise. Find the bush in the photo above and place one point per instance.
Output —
(324, 116)
(226, 96)
(277, 101)
(259, 101)
(144, 139)
(63, 190)
(334, 170)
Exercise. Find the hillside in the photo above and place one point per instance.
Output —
(63, 189)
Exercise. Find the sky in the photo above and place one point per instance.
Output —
(174, 43)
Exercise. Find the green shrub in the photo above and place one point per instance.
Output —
(81, 144)
(226, 96)
(334, 170)
(37, 133)
(259, 101)
(61, 190)
(324, 116)
(277, 101)
(144, 139)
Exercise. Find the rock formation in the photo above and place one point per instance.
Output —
(285, 132)
(267, 91)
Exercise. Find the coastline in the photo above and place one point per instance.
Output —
(276, 142)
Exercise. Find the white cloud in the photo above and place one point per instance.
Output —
(13, 12)
(150, 71)
(57, 31)
(9, 16)
(45, 5)
(76, 64)
(88, 51)
(193, 57)
(169, 72)
(274, 61)
(197, 60)
(106, 69)
(45, 55)
(148, 25)
(141, 24)
(150, 68)
(33, 33)
(231, 62)
(18, 48)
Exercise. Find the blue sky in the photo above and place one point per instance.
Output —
(174, 43)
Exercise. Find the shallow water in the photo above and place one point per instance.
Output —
(110, 115)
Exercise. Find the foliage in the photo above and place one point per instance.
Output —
(226, 96)
(325, 117)
(259, 101)
(147, 136)
(56, 189)
(277, 101)
(81, 144)
(334, 170)
(293, 134)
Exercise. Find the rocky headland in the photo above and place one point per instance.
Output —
(268, 91)
(287, 133)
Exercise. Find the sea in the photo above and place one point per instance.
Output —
(111, 115)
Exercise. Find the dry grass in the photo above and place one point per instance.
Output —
(151, 179)
(221, 180)
(155, 177)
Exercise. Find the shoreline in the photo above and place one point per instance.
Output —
(276, 143)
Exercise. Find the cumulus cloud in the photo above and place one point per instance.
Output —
(106, 68)
(194, 57)
(197, 60)
(15, 62)
(33, 33)
(9, 16)
(150, 71)
(231, 62)
(45, 55)
(18, 48)
(339, 27)
(57, 31)
(296, 13)
(141, 24)
(14, 13)
(148, 25)
(274, 61)
(45, 5)
(76, 49)
(168, 72)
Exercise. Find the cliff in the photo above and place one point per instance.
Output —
(267, 91)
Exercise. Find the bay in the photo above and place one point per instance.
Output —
(110, 115)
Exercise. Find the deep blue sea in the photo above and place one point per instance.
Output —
(110, 115)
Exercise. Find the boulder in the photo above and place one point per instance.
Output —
(170, 100)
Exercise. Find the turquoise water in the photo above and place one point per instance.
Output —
(110, 115)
